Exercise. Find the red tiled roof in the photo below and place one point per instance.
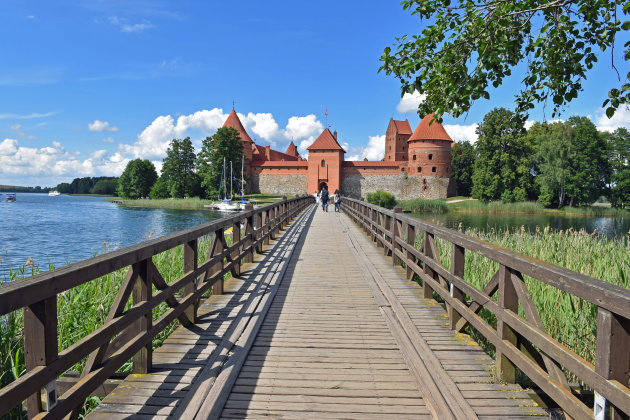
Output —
(402, 127)
(325, 141)
(429, 131)
(281, 164)
(234, 122)
(292, 150)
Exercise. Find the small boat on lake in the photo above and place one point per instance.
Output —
(53, 193)
(226, 204)
(11, 197)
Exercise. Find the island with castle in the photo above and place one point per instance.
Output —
(416, 164)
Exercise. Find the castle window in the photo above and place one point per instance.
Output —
(433, 169)
(390, 147)
(431, 157)
(414, 157)
(419, 169)
(323, 163)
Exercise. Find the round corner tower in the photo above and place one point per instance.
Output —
(429, 151)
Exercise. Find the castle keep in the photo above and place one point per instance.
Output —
(416, 164)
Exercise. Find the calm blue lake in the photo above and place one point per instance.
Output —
(63, 229)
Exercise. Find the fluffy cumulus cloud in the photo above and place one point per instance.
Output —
(22, 165)
(409, 102)
(620, 119)
(375, 149)
(462, 132)
(303, 131)
(101, 126)
(126, 26)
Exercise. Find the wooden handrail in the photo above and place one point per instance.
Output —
(520, 342)
(133, 328)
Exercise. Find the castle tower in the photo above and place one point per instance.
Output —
(429, 152)
(234, 122)
(325, 160)
(396, 136)
(292, 150)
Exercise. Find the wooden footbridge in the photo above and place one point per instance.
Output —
(325, 315)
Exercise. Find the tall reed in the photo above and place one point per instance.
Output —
(567, 318)
(83, 309)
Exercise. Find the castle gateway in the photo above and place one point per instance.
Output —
(416, 165)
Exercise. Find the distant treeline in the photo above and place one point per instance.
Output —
(104, 185)
(16, 189)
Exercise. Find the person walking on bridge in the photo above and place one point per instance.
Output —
(337, 201)
(324, 198)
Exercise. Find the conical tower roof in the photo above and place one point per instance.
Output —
(325, 141)
(292, 150)
(235, 122)
(429, 131)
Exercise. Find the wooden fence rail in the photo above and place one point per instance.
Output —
(520, 342)
(126, 334)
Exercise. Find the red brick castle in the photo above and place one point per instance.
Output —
(415, 165)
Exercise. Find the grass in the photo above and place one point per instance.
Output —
(569, 319)
(192, 203)
(420, 205)
(531, 207)
(81, 310)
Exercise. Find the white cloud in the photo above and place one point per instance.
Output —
(25, 117)
(108, 140)
(462, 132)
(620, 119)
(410, 101)
(101, 126)
(300, 127)
(375, 149)
(21, 165)
(15, 126)
(262, 124)
(127, 27)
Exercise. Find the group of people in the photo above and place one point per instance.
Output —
(322, 197)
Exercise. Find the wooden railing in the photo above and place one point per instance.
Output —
(520, 343)
(126, 333)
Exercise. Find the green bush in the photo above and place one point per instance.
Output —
(382, 199)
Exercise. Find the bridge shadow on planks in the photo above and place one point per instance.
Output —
(185, 353)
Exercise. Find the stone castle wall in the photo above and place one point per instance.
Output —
(279, 184)
(402, 186)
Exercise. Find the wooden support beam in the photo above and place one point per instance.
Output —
(190, 264)
(458, 261)
(142, 292)
(508, 300)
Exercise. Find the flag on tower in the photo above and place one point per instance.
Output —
(326, 113)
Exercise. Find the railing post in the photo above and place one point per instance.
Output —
(427, 290)
(508, 300)
(259, 230)
(396, 232)
(249, 234)
(217, 249)
(283, 219)
(411, 240)
(458, 260)
(40, 346)
(236, 238)
(372, 226)
(190, 264)
(613, 357)
(266, 228)
(142, 292)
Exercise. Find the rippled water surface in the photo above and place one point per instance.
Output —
(58, 230)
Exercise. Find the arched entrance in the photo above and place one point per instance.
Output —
(322, 185)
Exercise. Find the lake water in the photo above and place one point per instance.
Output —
(58, 230)
(607, 226)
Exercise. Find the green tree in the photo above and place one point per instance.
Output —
(381, 198)
(225, 144)
(619, 159)
(462, 162)
(588, 168)
(105, 187)
(137, 179)
(178, 169)
(159, 190)
(467, 46)
(502, 168)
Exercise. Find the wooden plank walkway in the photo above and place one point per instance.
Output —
(320, 326)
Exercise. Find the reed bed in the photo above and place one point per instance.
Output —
(532, 207)
(567, 318)
(170, 203)
(83, 309)
(420, 205)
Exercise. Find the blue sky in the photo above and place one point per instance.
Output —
(86, 87)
